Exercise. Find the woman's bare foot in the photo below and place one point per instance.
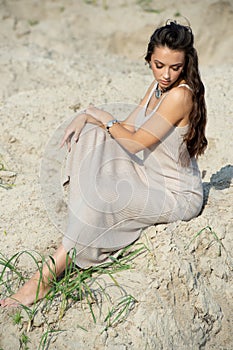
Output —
(38, 286)
(32, 291)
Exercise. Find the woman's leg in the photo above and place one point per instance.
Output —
(27, 294)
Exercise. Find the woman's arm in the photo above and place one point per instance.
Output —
(175, 107)
(77, 124)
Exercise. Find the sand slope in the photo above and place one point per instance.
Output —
(57, 56)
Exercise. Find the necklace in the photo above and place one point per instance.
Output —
(159, 92)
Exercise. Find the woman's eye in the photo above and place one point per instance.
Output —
(159, 66)
(176, 68)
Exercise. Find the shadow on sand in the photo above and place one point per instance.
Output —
(220, 181)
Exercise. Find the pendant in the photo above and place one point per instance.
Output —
(158, 92)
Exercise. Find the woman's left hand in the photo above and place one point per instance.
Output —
(74, 129)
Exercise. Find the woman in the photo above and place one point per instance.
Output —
(114, 191)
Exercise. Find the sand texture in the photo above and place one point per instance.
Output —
(58, 56)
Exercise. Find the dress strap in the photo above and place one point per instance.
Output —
(166, 93)
(185, 85)
(162, 98)
(151, 93)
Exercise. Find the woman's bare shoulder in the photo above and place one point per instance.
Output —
(180, 95)
(178, 103)
(181, 91)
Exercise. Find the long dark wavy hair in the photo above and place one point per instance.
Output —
(180, 38)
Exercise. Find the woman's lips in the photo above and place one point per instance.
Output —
(162, 82)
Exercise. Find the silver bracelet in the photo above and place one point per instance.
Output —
(110, 124)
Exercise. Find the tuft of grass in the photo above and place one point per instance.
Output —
(24, 340)
(91, 2)
(17, 318)
(85, 286)
(177, 14)
(10, 275)
(76, 285)
(119, 312)
(46, 338)
(33, 22)
(144, 2)
(146, 6)
(213, 233)
(94, 2)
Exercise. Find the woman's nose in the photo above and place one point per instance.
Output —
(166, 73)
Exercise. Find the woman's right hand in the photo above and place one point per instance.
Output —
(74, 129)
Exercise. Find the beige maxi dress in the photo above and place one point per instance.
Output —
(114, 195)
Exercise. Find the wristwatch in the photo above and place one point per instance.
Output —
(110, 124)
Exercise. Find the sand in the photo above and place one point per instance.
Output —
(57, 56)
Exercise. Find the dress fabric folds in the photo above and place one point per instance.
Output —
(114, 195)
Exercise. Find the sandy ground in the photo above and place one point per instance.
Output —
(57, 56)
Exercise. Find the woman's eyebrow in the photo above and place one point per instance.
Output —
(172, 65)
(157, 61)
(177, 64)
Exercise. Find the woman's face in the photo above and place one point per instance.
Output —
(167, 65)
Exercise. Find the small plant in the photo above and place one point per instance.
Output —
(94, 2)
(145, 3)
(213, 233)
(7, 178)
(86, 286)
(146, 6)
(46, 338)
(10, 274)
(76, 284)
(17, 318)
(120, 311)
(24, 340)
(33, 22)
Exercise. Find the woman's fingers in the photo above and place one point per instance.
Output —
(68, 136)
(73, 130)
(64, 139)
(67, 139)
(68, 143)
